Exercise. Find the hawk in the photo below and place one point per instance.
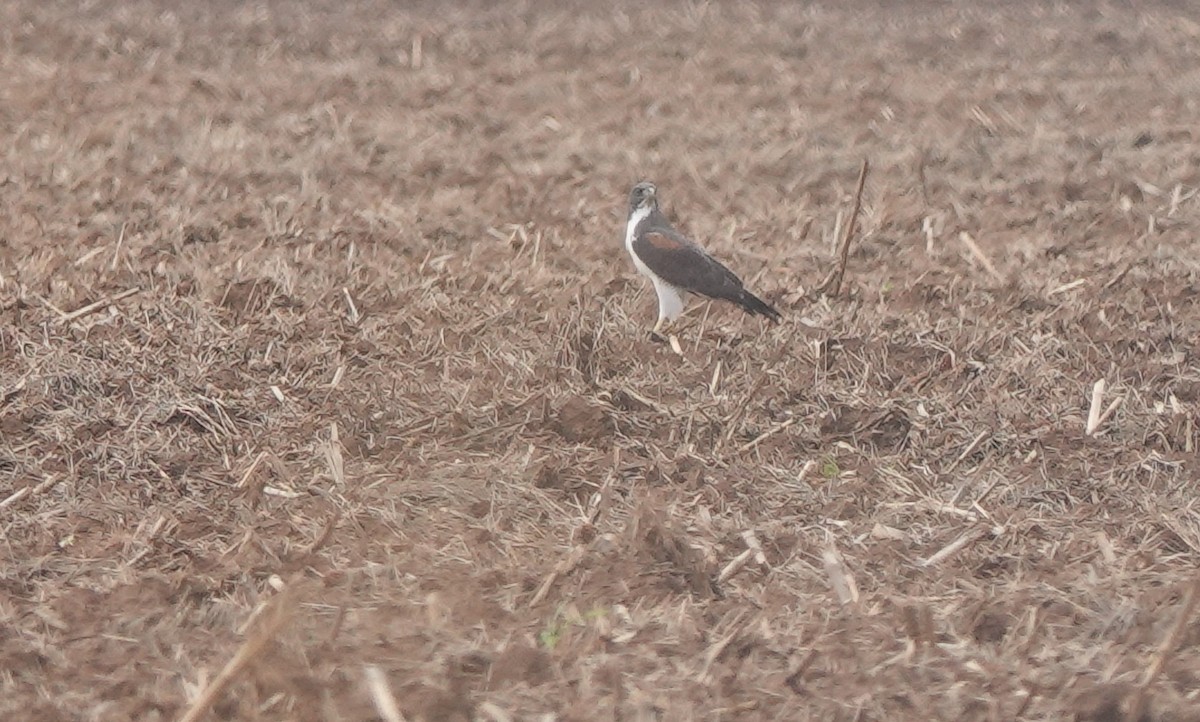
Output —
(677, 265)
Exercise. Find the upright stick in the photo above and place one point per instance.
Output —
(833, 285)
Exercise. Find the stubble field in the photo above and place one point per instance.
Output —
(320, 351)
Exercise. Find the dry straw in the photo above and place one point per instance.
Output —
(345, 299)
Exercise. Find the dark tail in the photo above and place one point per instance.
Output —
(755, 305)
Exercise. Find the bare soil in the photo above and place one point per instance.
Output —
(320, 350)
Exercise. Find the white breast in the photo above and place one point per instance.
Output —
(638, 216)
(670, 301)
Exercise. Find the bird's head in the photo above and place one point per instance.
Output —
(643, 195)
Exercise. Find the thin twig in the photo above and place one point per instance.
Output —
(979, 255)
(1108, 411)
(354, 316)
(731, 423)
(565, 566)
(766, 434)
(20, 386)
(833, 285)
(736, 565)
(737, 626)
(97, 305)
(967, 451)
(277, 612)
(966, 539)
(25, 491)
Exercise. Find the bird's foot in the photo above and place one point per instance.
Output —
(656, 335)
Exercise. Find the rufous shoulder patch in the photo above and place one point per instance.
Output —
(662, 241)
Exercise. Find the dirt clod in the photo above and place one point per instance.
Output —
(578, 419)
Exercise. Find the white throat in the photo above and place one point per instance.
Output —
(630, 232)
(634, 219)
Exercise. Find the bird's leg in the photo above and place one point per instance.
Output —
(654, 333)
(661, 335)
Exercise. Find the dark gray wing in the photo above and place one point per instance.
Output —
(683, 264)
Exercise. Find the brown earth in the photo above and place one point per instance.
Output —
(332, 299)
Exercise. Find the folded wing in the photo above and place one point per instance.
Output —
(684, 265)
(681, 263)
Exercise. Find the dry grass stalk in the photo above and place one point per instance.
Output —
(112, 265)
(155, 529)
(25, 491)
(97, 305)
(48, 304)
(16, 496)
(1096, 417)
(736, 625)
(766, 435)
(12, 391)
(798, 665)
(417, 57)
(333, 456)
(245, 480)
(1067, 286)
(753, 551)
(967, 451)
(350, 305)
(495, 712)
(735, 565)
(980, 256)
(841, 581)
(755, 546)
(446, 383)
(326, 533)
(564, 567)
(733, 420)
(1114, 405)
(339, 618)
(269, 621)
(381, 694)
(1106, 548)
(832, 286)
(1168, 647)
(964, 540)
(1094, 410)
(674, 341)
